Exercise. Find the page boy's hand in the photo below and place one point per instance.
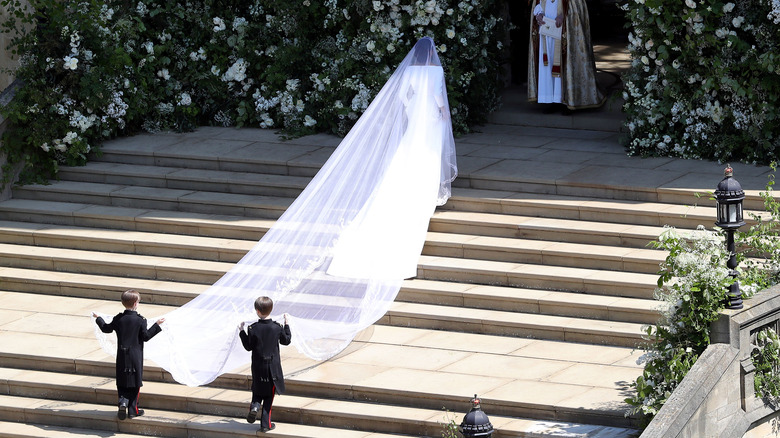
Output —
(94, 315)
(285, 319)
(241, 326)
(160, 321)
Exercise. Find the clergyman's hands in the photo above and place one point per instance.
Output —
(559, 21)
(540, 19)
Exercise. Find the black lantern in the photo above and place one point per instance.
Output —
(476, 422)
(729, 196)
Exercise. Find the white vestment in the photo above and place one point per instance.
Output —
(549, 88)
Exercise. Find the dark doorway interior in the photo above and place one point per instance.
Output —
(609, 37)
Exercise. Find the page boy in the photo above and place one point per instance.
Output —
(131, 333)
(263, 338)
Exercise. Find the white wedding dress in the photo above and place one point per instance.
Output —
(386, 238)
(335, 260)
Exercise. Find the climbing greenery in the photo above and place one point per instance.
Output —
(95, 69)
(692, 285)
(766, 358)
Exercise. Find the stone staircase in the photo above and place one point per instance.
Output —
(532, 299)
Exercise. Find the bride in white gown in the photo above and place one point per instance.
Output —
(386, 237)
(335, 260)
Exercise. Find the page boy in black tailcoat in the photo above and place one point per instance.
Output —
(131, 333)
(262, 339)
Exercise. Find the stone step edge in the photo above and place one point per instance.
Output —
(211, 225)
(232, 250)
(689, 196)
(287, 409)
(529, 275)
(154, 423)
(432, 316)
(482, 297)
(495, 202)
(12, 429)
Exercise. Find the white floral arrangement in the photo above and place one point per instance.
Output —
(704, 80)
(98, 69)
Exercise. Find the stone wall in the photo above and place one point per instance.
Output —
(717, 398)
(7, 59)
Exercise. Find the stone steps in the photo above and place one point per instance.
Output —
(603, 282)
(224, 412)
(534, 300)
(69, 415)
(231, 250)
(37, 364)
(271, 207)
(539, 314)
(241, 227)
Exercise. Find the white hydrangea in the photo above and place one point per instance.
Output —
(185, 99)
(308, 121)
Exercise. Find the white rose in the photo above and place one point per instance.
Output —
(71, 63)
(691, 4)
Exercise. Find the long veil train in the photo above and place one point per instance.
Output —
(335, 260)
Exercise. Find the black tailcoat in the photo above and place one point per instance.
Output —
(131, 333)
(262, 339)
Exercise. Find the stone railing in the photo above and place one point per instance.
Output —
(717, 396)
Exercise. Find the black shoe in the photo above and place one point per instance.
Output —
(140, 412)
(122, 413)
(266, 429)
(566, 111)
(252, 415)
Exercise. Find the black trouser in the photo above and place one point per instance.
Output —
(263, 393)
(131, 394)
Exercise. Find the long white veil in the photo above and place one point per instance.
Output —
(335, 260)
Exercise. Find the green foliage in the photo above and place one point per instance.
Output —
(95, 69)
(766, 358)
(704, 80)
(450, 428)
(693, 282)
